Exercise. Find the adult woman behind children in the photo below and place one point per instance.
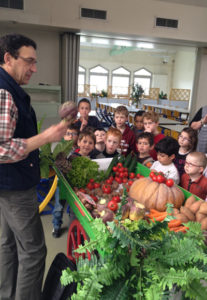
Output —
(199, 122)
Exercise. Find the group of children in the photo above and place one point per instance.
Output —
(176, 159)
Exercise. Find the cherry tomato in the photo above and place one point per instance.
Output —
(132, 175)
(151, 174)
(108, 181)
(117, 174)
(121, 170)
(154, 178)
(118, 179)
(116, 199)
(125, 180)
(169, 182)
(94, 198)
(91, 180)
(106, 189)
(138, 176)
(115, 169)
(160, 178)
(119, 165)
(125, 174)
(90, 186)
(112, 205)
(96, 185)
(121, 175)
(130, 182)
(111, 178)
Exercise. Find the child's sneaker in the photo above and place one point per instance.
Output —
(56, 232)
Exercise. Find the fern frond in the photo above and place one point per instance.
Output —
(117, 291)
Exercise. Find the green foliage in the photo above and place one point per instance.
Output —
(47, 157)
(137, 92)
(144, 262)
(39, 124)
(83, 169)
(162, 95)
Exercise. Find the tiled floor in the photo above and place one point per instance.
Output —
(54, 245)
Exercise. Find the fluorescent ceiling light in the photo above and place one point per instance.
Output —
(100, 41)
(82, 39)
(145, 45)
(122, 43)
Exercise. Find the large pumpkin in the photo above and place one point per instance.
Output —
(155, 195)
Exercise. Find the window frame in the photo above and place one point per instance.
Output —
(143, 76)
(121, 76)
(99, 74)
(84, 84)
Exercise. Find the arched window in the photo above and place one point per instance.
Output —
(120, 81)
(143, 77)
(98, 79)
(81, 79)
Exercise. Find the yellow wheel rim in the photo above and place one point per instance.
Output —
(49, 195)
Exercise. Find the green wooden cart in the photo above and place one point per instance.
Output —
(80, 228)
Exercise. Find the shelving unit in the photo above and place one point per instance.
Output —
(45, 99)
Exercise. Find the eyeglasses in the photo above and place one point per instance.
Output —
(29, 60)
(191, 165)
(71, 133)
(183, 138)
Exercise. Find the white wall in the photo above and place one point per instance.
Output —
(184, 68)
(48, 52)
(134, 17)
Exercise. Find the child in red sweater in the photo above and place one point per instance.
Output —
(193, 179)
(128, 141)
(151, 123)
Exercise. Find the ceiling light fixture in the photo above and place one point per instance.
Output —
(123, 43)
(100, 41)
(145, 45)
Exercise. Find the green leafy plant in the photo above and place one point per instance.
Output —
(145, 261)
(162, 95)
(137, 92)
(47, 156)
(82, 170)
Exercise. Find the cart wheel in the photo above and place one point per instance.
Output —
(76, 237)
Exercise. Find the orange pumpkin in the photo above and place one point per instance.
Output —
(155, 195)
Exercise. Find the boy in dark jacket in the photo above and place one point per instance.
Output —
(84, 108)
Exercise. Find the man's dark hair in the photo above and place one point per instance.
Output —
(148, 136)
(139, 113)
(168, 146)
(11, 43)
(84, 100)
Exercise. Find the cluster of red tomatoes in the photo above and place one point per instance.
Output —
(122, 175)
(160, 178)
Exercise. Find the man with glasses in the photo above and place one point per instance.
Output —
(22, 248)
(193, 179)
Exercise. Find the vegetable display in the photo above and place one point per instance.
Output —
(59, 154)
(149, 262)
(149, 253)
(82, 170)
(156, 195)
